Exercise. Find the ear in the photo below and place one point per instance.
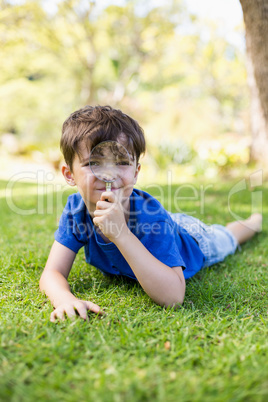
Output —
(68, 175)
(137, 171)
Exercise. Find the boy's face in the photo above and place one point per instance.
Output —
(91, 188)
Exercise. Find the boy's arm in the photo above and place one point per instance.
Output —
(54, 283)
(165, 285)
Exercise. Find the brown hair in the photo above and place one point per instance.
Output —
(93, 125)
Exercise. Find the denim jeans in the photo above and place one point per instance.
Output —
(215, 241)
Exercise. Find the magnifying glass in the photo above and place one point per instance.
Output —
(109, 160)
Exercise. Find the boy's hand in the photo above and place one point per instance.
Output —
(71, 309)
(109, 216)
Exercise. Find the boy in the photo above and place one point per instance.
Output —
(126, 231)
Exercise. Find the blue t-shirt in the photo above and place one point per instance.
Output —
(148, 221)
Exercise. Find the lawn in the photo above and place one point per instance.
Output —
(214, 348)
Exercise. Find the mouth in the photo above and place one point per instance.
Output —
(104, 189)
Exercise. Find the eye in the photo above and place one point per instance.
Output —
(123, 163)
(93, 163)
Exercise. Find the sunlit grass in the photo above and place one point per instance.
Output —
(212, 349)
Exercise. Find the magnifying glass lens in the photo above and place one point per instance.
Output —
(108, 160)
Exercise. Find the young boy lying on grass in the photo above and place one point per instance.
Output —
(126, 231)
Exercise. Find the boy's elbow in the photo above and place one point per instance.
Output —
(176, 295)
(172, 301)
(177, 302)
(42, 282)
(177, 298)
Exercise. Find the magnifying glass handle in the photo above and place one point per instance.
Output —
(108, 186)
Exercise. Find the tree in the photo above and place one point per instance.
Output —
(136, 55)
(54, 61)
(256, 23)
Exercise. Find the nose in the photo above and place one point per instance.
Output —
(108, 177)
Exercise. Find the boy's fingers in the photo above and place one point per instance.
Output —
(52, 317)
(94, 307)
(81, 307)
(60, 314)
(100, 212)
(103, 205)
(82, 311)
(97, 222)
(57, 314)
(70, 312)
(108, 196)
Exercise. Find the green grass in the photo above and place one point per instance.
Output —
(218, 340)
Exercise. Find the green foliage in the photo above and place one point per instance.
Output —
(214, 348)
(176, 75)
(168, 153)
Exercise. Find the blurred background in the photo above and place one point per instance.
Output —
(176, 66)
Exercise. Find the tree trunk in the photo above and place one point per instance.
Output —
(256, 22)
